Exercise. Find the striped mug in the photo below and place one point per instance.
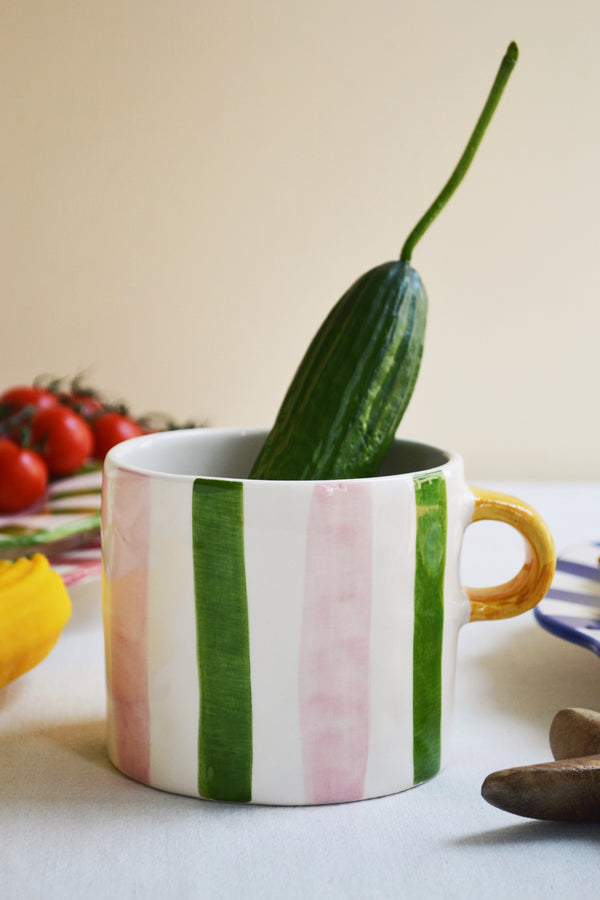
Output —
(290, 642)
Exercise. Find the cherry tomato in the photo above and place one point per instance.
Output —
(85, 405)
(63, 439)
(15, 398)
(23, 477)
(111, 428)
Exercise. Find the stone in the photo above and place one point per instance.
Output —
(566, 790)
(574, 733)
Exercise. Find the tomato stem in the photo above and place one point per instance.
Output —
(502, 76)
(14, 420)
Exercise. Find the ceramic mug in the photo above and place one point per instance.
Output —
(290, 642)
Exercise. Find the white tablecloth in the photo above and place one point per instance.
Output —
(73, 827)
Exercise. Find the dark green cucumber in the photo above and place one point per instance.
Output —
(347, 398)
(354, 383)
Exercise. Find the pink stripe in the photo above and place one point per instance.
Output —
(334, 648)
(73, 575)
(130, 545)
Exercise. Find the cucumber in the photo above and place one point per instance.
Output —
(342, 410)
(354, 382)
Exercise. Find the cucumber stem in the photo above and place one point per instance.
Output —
(506, 67)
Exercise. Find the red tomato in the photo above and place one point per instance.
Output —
(111, 428)
(16, 398)
(85, 405)
(63, 439)
(23, 477)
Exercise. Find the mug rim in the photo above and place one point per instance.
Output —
(119, 456)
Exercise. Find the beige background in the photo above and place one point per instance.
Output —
(187, 187)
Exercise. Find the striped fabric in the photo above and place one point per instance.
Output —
(280, 654)
(66, 518)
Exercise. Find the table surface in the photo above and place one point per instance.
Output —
(72, 826)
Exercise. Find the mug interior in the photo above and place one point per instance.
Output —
(230, 453)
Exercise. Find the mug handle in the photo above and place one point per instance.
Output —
(532, 582)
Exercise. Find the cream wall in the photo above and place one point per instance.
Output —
(187, 187)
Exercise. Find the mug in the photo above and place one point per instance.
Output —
(290, 642)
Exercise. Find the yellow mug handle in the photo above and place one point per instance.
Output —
(530, 584)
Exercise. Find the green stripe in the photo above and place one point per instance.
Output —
(225, 725)
(23, 537)
(430, 495)
(79, 492)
